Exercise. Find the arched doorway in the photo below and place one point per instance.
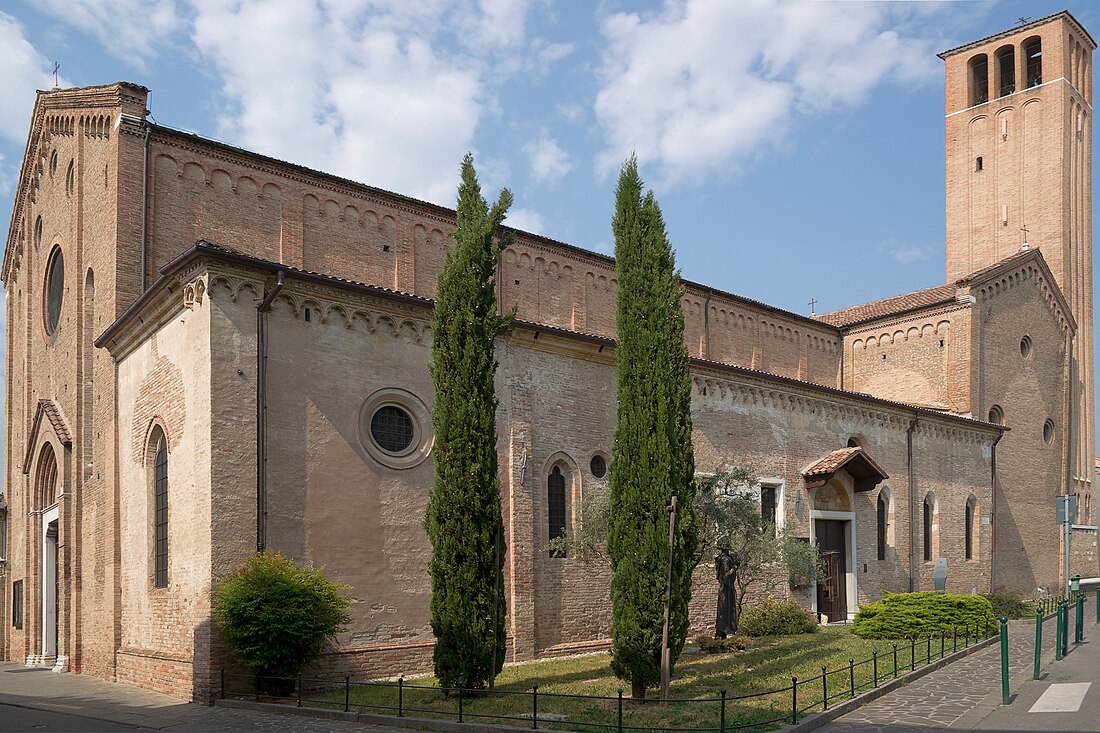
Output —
(834, 523)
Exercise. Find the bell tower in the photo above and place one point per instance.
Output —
(1019, 171)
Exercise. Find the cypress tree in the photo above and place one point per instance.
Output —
(653, 459)
(463, 518)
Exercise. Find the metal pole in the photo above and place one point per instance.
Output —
(1066, 539)
(824, 688)
(347, 693)
(666, 662)
(400, 697)
(794, 700)
(535, 707)
(1058, 633)
(722, 727)
(874, 663)
(620, 727)
(1038, 642)
(1004, 660)
(1065, 628)
(851, 678)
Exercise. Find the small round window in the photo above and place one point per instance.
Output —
(392, 428)
(395, 428)
(1048, 432)
(54, 290)
(1025, 347)
(598, 466)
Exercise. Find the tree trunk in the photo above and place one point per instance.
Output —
(637, 690)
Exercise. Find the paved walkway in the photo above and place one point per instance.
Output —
(38, 698)
(938, 700)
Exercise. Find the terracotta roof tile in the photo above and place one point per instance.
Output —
(889, 306)
(831, 462)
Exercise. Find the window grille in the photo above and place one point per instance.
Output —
(767, 504)
(160, 473)
(392, 429)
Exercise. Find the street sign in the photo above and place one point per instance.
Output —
(1065, 509)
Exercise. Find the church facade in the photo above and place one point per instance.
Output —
(212, 353)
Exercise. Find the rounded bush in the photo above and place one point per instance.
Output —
(776, 618)
(276, 616)
(915, 615)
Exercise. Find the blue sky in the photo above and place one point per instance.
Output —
(796, 147)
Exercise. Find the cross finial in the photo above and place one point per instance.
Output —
(56, 66)
(1025, 230)
(1023, 21)
(813, 302)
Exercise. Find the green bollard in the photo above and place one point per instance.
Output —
(1004, 660)
(1038, 642)
(1065, 628)
(1079, 620)
(1058, 633)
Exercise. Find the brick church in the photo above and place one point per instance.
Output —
(211, 352)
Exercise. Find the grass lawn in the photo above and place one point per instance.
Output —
(697, 681)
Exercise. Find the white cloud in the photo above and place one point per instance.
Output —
(385, 91)
(700, 86)
(528, 220)
(129, 29)
(549, 162)
(905, 254)
(22, 70)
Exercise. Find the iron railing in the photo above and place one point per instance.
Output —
(758, 710)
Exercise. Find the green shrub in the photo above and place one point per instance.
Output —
(732, 643)
(1011, 604)
(914, 615)
(777, 618)
(276, 616)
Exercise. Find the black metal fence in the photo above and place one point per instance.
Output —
(553, 710)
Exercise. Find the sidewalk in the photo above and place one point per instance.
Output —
(75, 702)
(1080, 671)
(937, 701)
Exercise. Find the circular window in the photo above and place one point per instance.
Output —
(598, 466)
(1025, 346)
(1048, 432)
(392, 428)
(395, 428)
(54, 291)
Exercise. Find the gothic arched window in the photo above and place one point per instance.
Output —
(555, 502)
(160, 513)
(969, 532)
(929, 510)
(881, 527)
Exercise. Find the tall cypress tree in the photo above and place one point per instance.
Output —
(653, 459)
(464, 512)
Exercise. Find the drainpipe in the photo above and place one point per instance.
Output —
(261, 412)
(706, 326)
(993, 514)
(912, 505)
(145, 204)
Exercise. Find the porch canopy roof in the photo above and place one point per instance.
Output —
(855, 461)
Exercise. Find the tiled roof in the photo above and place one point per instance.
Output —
(890, 306)
(831, 462)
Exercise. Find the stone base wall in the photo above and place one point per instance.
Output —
(155, 671)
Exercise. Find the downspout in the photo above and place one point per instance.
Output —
(706, 326)
(145, 204)
(261, 412)
(993, 514)
(912, 505)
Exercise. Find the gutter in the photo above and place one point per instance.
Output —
(993, 514)
(261, 411)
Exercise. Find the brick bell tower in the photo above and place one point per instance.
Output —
(1019, 170)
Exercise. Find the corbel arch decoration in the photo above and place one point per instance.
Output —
(47, 413)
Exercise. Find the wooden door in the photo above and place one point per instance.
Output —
(832, 591)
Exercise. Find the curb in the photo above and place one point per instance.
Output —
(429, 724)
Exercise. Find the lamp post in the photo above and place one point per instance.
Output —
(666, 663)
